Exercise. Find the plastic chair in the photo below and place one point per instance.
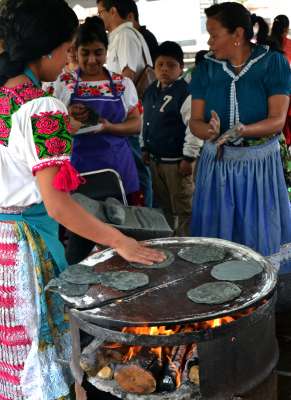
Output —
(103, 183)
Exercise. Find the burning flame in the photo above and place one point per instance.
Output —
(166, 355)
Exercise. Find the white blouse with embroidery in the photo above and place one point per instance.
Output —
(64, 86)
(34, 134)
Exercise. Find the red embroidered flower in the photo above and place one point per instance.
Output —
(5, 106)
(31, 93)
(119, 87)
(47, 125)
(4, 130)
(1, 142)
(56, 146)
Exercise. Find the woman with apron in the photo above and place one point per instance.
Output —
(35, 178)
(94, 91)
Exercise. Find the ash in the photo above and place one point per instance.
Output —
(186, 391)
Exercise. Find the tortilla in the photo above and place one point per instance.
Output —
(202, 253)
(236, 270)
(80, 274)
(214, 293)
(168, 261)
(123, 280)
(68, 289)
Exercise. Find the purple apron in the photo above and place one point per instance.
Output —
(93, 151)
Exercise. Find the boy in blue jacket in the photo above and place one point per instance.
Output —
(169, 148)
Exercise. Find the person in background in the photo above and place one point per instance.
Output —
(199, 57)
(35, 179)
(128, 54)
(72, 62)
(149, 37)
(279, 33)
(168, 146)
(261, 30)
(240, 191)
(111, 97)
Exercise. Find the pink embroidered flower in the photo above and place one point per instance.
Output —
(31, 93)
(4, 130)
(5, 106)
(1, 142)
(119, 87)
(56, 146)
(47, 125)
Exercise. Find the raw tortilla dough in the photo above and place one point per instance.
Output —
(168, 261)
(214, 293)
(80, 274)
(201, 253)
(236, 270)
(124, 280)
(68, 289)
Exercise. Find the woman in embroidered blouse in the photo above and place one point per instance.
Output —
(35, 148)
(240, 190)
(111, 96)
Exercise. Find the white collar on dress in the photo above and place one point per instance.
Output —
(234, 117)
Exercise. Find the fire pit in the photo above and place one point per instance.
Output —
(154, 342)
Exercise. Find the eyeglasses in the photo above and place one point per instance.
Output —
(101, 11)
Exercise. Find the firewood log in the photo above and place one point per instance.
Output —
(139, 375)
(194, 375)
(172, 369)
(106, 373)
(94, 357)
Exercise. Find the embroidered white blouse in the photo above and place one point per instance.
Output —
(34, 134)
(64, 86)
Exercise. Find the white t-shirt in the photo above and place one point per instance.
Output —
(64, 86)
(126, 49)
(34, 134)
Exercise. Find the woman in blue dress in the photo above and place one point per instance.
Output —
(240, 190)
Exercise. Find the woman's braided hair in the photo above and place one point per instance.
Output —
(31, 29)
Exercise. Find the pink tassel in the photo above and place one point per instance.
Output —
(67, 179)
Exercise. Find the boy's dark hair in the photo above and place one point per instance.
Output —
(28, 32)
(170, 49)
(123, 7)
(280, 25)
(199, 57)
(91, 30)
(134, 10)
(233, 15)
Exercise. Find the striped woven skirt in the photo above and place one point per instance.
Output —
(34, 335)
(243, 198)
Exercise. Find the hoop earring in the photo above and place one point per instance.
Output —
(236, 44)
(50, 56)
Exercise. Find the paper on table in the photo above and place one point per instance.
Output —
(90, 129)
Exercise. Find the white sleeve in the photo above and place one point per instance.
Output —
(60, 89)
(45, 126)
(192, 144)
(128, 50)
(130, 95)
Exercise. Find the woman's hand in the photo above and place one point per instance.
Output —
(106, 125)
(79, 112)
(133, 251)
(214, 126)
(185, 168)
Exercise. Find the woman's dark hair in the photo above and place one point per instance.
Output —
(170, 49)
(263, 31)
(31, 29)
(233, 15)
(279, 27)
(91, 30)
